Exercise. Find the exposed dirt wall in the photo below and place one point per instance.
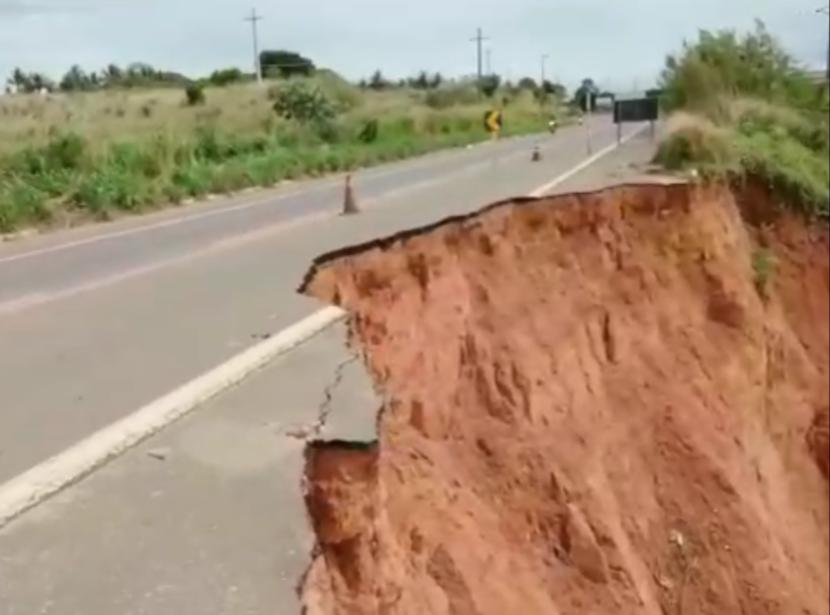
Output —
(593, 405)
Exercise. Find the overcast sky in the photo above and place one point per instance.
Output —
(620, 44)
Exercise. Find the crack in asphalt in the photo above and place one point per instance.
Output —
(324, 408)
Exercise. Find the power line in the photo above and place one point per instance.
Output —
(478, 40)
(254, 19)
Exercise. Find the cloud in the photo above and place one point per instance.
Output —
(22, 8)
(616, 43)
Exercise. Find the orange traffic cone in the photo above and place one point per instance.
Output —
(349, 205)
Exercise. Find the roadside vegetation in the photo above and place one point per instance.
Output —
(743, 108)
(127, 140)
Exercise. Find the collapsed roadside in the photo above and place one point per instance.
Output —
(610, 402)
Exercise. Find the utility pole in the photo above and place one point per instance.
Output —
(824, 10)
(254, 19)
(542, 77)
(478, 40)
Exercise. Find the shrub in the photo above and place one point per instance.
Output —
(696, 141)
(63, 152)
(194, 94)
(790, 168)
(229, 177)
(753, 115)
(21, 203)
(66, 152)
(343, 95)
(723, 63)
(451, 95)
(193, 179)
(369, 132)
(132, 157)
(225, 76)
(763, 267)
(208, 146)
(303, 104)
(488, 84)
(111, 187)
(757, 114)
(403, 126)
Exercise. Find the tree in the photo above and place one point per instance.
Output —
(421, 82)
(225, 76)
(723, 63)
(112, 74)
(282, 63)
(26, 83)
(436, 81)
(17, 79)
(40, 82)
(194, 94)
(488, 84)
(527, 83)
(585, 96)
(140, 70)
(554, 89)
(76, 80)
(377, 81)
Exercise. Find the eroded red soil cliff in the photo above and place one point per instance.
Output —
(595, 404)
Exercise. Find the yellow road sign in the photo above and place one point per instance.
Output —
(493, 121)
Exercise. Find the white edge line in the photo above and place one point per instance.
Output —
(374, 173)
(161, 224)
(29, 489)
(35, 485)
(544, 189)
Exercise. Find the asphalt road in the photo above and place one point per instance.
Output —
(207, 517)
(97, 321)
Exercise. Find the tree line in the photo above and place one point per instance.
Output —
(274, 64)
(488, 84)
(76, 79)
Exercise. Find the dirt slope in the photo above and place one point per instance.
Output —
(595, 405)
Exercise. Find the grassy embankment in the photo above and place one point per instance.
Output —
(743, 108)
(69, 158)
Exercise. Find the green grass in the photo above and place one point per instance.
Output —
(763, 267)
(780, 146)
(91, 155)
(743, 107)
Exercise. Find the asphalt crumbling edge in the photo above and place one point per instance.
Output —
(383, 243)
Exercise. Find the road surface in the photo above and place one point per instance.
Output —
(207, 516)
(99, 321)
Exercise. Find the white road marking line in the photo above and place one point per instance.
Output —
(544, 189)
(38, 299)
(156, 225)
(29, 489)
(32, 487)
(369, 173)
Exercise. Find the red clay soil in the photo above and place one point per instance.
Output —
(595, 404)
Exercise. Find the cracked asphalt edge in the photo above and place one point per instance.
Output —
(309, 432)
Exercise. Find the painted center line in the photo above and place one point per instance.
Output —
(34, 486)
